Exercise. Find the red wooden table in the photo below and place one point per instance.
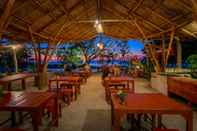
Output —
(127, 84)
(74, 81)
(155, 104)
(83, 74)
(114, 79)
(7, 80)
(33, 102)
(70, 79)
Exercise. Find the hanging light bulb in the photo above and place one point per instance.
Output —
(99, 28)
(100, 45)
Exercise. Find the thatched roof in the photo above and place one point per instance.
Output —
(74, 19)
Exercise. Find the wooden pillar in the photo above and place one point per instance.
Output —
(163, 52)
(194, 7)
(4, 19)
(15, 60)
(179, 53)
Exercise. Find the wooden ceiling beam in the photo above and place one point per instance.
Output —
(26, 30)
(87, 34)
(160, 16)
(70, 25)
(45, 11)
(77, 35)
(138, 17)
(140, 30)
(184, 5)
(22, 20)
(53, 21)
(167, 31)
(5, 17)
(47, 14)
(63, 8)
(115, 36)
(124, 20)
(78, 30)
(136, 7)
(20, 7)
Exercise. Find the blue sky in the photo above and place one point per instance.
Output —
(135, 46)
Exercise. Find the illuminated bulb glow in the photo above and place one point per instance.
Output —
(98, 26)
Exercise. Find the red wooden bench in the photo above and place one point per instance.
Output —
(159, 129)
(11, 129)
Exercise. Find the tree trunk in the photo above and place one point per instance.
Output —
(41, 79)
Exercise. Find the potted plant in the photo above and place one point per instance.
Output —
(192, 60)
(121, 95)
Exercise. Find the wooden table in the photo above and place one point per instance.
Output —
(82, 73)
(70, 79)
(155, 104)
(74, 81)
(33, 102)
(110, 83)
(115, 79)
(7, 80)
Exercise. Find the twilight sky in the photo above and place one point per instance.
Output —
(135, 45)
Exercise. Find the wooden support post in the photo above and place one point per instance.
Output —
(149, 49)
(179, 53)
(4, 19)
(163, 52)
(169, 46)
(194, 3)
(42, 66)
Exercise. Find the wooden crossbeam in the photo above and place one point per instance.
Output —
(4, 19)
(60, 17)
(39, 4)
(140, 30)
(160, 16)
(26, 30)
(136, 7)
(138, 17)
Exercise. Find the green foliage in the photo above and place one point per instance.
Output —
(192, 60)
(73, 56)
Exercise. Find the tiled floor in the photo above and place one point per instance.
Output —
(91, 113)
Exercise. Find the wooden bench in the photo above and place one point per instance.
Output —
(159, 129)
(11, 129)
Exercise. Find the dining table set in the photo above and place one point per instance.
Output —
(37, 104)
(139, 107)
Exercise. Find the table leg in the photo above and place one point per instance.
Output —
(13, 119)
(23, 84)
(9, 86)
(55, 113)
(153, 121)
(189, 122)
(116, 121)
(50, 85)
(20, 117)
(112, 114)
(139, 121)
(36, 119)
(159, 121)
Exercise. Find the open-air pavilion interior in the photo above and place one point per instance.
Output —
(97, 83)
